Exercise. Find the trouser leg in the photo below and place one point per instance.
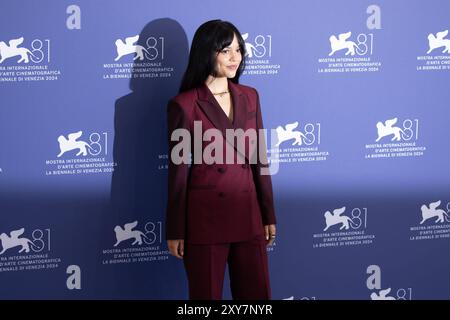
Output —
(205, 268)
(249, 274)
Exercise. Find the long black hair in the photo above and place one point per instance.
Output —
(209, 39)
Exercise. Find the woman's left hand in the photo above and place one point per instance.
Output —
(270, 232)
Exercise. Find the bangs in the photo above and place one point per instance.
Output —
(224, 38)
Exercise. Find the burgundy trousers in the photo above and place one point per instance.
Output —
(247, 264)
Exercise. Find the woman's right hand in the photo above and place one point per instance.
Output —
(176, 247)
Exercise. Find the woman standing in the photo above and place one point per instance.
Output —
(219, 211)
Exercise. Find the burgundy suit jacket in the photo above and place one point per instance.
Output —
(217, 203)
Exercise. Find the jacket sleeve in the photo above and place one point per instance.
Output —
(263, 183)
(177, 176)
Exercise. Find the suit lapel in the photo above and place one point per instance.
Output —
(215, 114)
(212, 109)
(239, 105)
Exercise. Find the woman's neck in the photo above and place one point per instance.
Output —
(217, 84)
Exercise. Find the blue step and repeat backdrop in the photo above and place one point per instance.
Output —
(355, 94)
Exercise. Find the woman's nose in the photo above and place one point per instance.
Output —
(234, 56)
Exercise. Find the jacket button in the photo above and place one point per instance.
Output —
(221, 194)
(221, 170)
